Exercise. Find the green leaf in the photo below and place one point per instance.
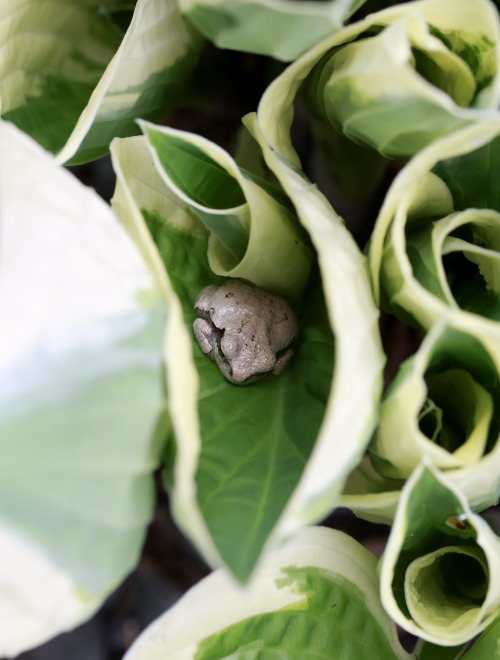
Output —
(82, 400)
(445, 403)
(254, 233)
(487, 646)
(211, 190)
(427, 651)
(78, 80)
(253, 454)
(251, 464)
(435, 247)
(470, 175)
(213, 185)
(439, 572)
(404, 76)
(58, 53)
(279, 28)
(315, 597)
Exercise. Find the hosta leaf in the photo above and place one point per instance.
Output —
(488, 644)
(435, 247)
(391, 84)
(409, 74)
(72, 79)
(280, 28)
(254, 233)
(81, 393)
(315, 597)
(55, 53)
(439, 576)
(241, 472)
(443, 405)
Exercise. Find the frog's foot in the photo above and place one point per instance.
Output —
(207, 335)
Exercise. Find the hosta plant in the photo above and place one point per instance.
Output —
(123, 323)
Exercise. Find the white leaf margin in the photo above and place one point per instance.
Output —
(156, 37)
(218, 601)
(352, 406)
(138, 179)
(416, 188)
(486, 540)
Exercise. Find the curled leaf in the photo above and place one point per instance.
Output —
(406, 75)
(443, 406)
(239, 483)
(301, 596)
(254, 232)
(436, 245)
(439, 575)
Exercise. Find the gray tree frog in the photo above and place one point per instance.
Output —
(248, 332)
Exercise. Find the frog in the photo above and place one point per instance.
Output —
(248, 332)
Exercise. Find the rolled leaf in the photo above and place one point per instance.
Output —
(73, 78)
(436, 245)
(280, 28)
(444, 405)
(303, 594)
(409, 74)
(254, 232)
(440, 572)
(393, 83)
(81, 397)
(239, 482)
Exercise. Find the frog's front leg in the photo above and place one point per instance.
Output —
(205, 334)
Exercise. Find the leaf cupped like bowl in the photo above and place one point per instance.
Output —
(456, 414)
(444, 405)
(457, 259)
(407, 75)
(435, 249)
(446, 588)
(440, 572)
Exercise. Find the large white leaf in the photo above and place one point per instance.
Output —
(81, 394)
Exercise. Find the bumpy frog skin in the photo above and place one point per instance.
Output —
(248, 332)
